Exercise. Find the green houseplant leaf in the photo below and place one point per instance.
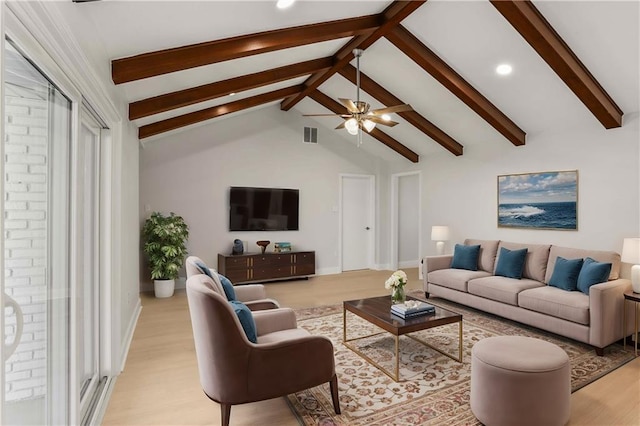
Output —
(164, 239)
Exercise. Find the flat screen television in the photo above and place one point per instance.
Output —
(263, 209)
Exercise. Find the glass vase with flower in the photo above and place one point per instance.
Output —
(396, 283)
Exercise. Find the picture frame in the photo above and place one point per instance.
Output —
(540, 200)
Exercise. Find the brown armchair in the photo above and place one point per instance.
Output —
(232, 370)
(252, 295)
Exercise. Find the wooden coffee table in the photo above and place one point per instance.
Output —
(377, 311)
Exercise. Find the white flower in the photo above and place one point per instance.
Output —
(397, 279)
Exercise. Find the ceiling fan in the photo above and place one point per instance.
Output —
(359, 116)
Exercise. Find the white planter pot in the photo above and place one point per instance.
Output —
(163, 288)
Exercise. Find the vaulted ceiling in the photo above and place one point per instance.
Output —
(574, 63)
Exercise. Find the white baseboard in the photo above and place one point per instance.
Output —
(129, 336)
(382, 267)
(328, 271)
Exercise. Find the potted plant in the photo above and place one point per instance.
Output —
(164, 239)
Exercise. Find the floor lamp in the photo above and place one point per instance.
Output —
(440, 234)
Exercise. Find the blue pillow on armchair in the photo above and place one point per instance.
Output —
(227, 286)
(246, 319)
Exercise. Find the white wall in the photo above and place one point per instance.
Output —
(462, 191)
(190, 172)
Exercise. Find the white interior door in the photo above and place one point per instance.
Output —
(357, 217)
(406, 227)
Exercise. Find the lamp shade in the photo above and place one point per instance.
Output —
(440, 233)
(631, 251)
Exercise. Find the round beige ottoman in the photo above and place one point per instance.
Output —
(520, 381)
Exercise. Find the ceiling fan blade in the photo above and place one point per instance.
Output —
(321, 115)
(379, 120)
(340, 126)
(348, 103)
(392, 109)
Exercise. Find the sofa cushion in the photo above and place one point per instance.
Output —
(465, 257)
(510, 263)
(565, 273)
(572, 253)
(592, 272)
(455, 279)
(569, 305)
(501, 289)
(535, 264)
(488, 252)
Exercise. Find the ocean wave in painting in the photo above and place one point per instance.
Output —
(560, 215)
(524, 211)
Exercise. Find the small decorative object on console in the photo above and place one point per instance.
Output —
(281, 247)
(412, 308)
(238, 247)
(396, 283)
(263, 244)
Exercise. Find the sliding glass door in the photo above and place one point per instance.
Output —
(36, 289)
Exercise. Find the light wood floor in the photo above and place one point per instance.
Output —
(159, 385)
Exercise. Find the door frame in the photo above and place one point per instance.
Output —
(371, 244)
(393, 205)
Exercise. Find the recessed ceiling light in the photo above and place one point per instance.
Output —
(283, 4)
(385, 117)
(504, 69)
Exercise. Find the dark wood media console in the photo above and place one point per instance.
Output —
(246, 268)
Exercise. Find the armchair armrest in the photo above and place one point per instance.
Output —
(273, 320)
(287, 366)
(249, 292)
(605, 311)
(262, 304)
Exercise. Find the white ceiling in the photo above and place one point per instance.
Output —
(471, 36)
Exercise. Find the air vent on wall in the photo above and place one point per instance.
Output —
(310, 135)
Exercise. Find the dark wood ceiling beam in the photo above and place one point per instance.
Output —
(213, 112)
(430, 62)
(413, 117)
(181, 98)
(181, 58)
(338, 108)
(538, 32)
(391, 17)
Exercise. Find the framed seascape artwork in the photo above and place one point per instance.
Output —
(547, 200)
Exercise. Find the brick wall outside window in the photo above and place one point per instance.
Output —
(25, 233)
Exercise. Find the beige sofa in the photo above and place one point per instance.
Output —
(595, 318)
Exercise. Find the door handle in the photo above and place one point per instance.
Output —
(367, 228)
(9, 349)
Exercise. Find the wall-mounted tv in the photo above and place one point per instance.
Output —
(263, 209)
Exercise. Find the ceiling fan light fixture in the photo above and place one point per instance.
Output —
(352, 126)
(368, 125)
(386, 117)
(504, 69)
(283, 4)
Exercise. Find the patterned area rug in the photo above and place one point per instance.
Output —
(434, 389)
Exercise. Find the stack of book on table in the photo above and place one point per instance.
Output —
(412, 308)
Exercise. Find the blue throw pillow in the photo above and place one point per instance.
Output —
(511, 263)
(227, 286)
(465, 257)
(565, 273)
(204, 269)
(246, 319)
(592, 272)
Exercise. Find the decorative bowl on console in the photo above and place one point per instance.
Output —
(263, 244)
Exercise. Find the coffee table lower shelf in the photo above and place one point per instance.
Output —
(397, 332)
